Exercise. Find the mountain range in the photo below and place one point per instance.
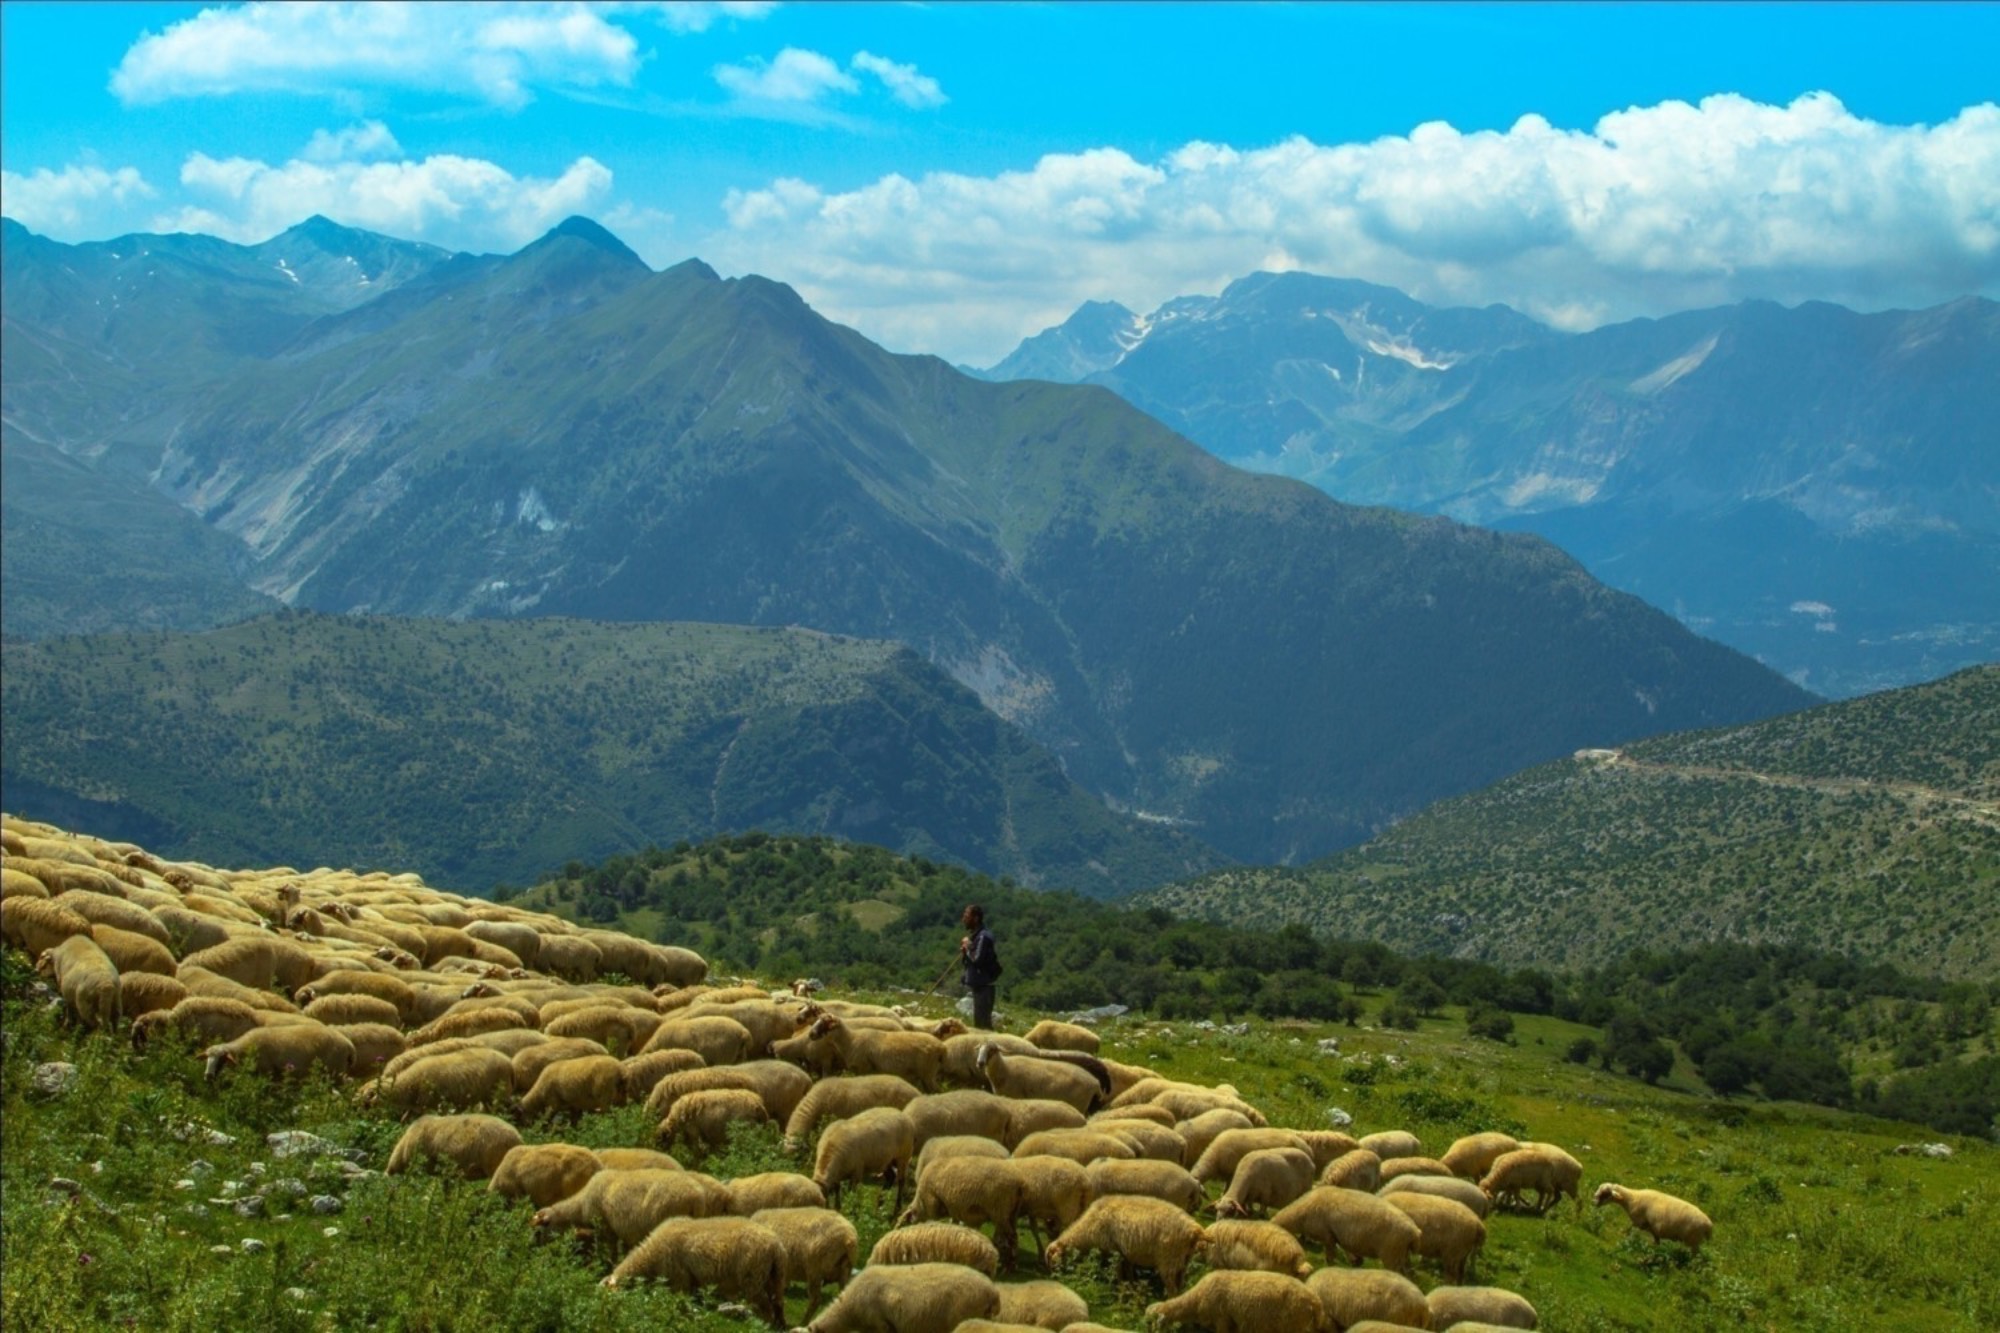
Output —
(564, 432)
(1813, 486)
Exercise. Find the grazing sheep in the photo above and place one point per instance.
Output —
(380, 985)
(838, 1098)
(257, 961)
(703, 1118)
(1054, 1193)
(469, 1023)
(1361, 1224)
(1082, 1146)
(1451, 1233)
(570, 957)
(821, 1247)
(1145, 1111)
(1413, 1166)
(963, 1111)
(915, 1056)
(1265, 1178)
(936, 1243)
(516, 937)
(970, 1191)
(141, 993)
(279, 1051)
(618, 1027)
(916, 1298)
(815, 1057)
(1357, 1170)
(953, 1145)
(338, 1010)
(1353, 1295)
(1203, 1130)
(1026, 1078)
(1568, 1171)
(544, 1173)
(409, 1057)
(375, 1045)
(1240, 1302)
(1188, 1102)
(961, 1055)
(456, 1080)
(36, 925)
(197, 1018)
(1451, 1306)
(474, 1144)
(1472, 1156)
(573, 1087)
(1147, 1139)
(1443, 1187)
(1659, 1215)
(642, 1073)
(531, 1062)
(1255, 1246)
(117, 913)
(1053, 1036)
(773, 1189)
(1041, 1304)
(1034, 1116)
(1233, 1145)
(20, 884)
(871, 1144)
(87, 978)
(636, 1159)
(766, 1021)
(1532, 1168)
(736, 1257)
(1168, 1181)
(782, 1087)
(629, 1204)
(1393, 1143)
(1142, 1232)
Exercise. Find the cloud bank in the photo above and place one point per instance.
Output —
(1653, 209)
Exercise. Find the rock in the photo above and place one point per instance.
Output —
(1329, 1046)
(251, 1245)
(325, 1204)
(1338, 1117)
(253, 1206)
(298, 1143)
(257, 1168)
(54, 1078)
(215, 1138)
(329, 1232)
(222, 1251)
(199, 1168)
(183, 1184)
(64, 1185)
(295, 1293)
(1236, 1029)
(1092, 1017)
(293, 1188)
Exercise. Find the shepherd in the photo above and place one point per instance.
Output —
(981, 958)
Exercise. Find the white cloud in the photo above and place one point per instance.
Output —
(75, 199)
(370, 138)
(794, 76)
(905, 83)
(461, 202)
(497, 53)
(1653, 209)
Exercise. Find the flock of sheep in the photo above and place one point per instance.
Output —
(446, 1008)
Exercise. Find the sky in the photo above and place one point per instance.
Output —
(951, 178)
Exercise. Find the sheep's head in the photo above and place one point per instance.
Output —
(822, 1025)
(987, 1050)
(46, 964)
(1608, 1193)
(948, 1027)
(217, 1058)
(478, 990)
(1230, 1208)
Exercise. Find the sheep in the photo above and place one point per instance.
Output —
(1054, 1192)
(837, 1098)
(517, 938)
(1265, 1178)
(960, 1067)
(1357, 1170)
(1082, 1146)
(1148, 1139)
(1472, 1156)
(781, 1086)
(1160, 1180)
(1442, 1187)
(963, 1111)
(200, 981)
(619, 1027)
(457, 1080)
(817, 1058)
(283, 1050)
(821, 1247)
(1352, 1295)
(86, 977)
(972, 1192)
(197, 1017)
(1532, 1168)
(733, 1255)
(642, 1073)
(1188, 1102)
(928, 1243)
(1659, 1215)
(636, 1159)
(20, 884)
(717, 1039)
(474, 1144)
(629, 1204)
(1393, 1143)
(766, 1021)
(1034, 1116)
(915, 1056)
(1452, 1306)
(1205, 1129)
(375, 1044)
(1567, 1171)
(411, 1056)
(469, 1023)
(1451, 1233)
(335, 1010)
(647, 964)
(36, 925)
(572, 1087)
(1145, 1111)
(531, 1062)
(915, 1298)
(1040, 1305)
(872, 1143)
(1053, 1036)
(141, 993)
(1040, 1080)
(1256, 1246)
(570, 957)
(260, 962)
(1239, 1302)
(773, 1189)
(1143, 1232)
(703, 1118)
(1393, 1167)
(118, 914)
(1361, 1224)
(1233, 1145)
(544, 1173)
(953, 1145)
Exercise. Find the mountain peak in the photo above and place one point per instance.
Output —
(583, 229)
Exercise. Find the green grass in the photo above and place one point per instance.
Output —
(1819, 1224)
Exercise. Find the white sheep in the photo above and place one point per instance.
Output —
(1233, 1145)
(1496, 1306)
(1659, 1215)
(473, 1076)
(142, 993)
(1393, 1143)
(1471, 1156)
(341, 1010)
(773, 1189)
(1532, 1168)
(573, 1088)
(1361, 1224)
(936, 1242)
(961, 1055)
(36, 925)
(1353, 1295)
(1265, 1178)
(1168, 1181)
(960, 1112)
(1394, 1167)
(530, 1062)
(474, 1144)
(952, 1145)
(1040, 1304)
(1054, 1193)
(1142, 1232)
(1443, 1187)
(874, 1143)
(1356, 1170)
(642, 1073)
(1082, 1146)
(734, 1256)
(971, 1191)
(629, 1204)
(1255, 1246)
(1233, 1301)
(1203, 1130)
(201, 1018)
(1157, 1142)
(1450, 1232)
(281, 1051)
(375, 1044)
(703, 1118)
(129, 951)
(838, 1098)
(87, 978)
(915, 1056)
(544, 1173)
(1035, 1115)
(1025, 1078)
(821, 1247)
(718, 1040)
(1051, 1035)
(917, 1298)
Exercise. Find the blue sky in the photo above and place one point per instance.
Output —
(950, 178)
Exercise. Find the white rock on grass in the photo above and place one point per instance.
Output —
(54, 1078)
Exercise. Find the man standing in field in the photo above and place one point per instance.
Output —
(982, 964)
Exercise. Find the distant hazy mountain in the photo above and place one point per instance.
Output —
(1869, 827)
(1817, 487)
(490, 751)
(563, 432)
